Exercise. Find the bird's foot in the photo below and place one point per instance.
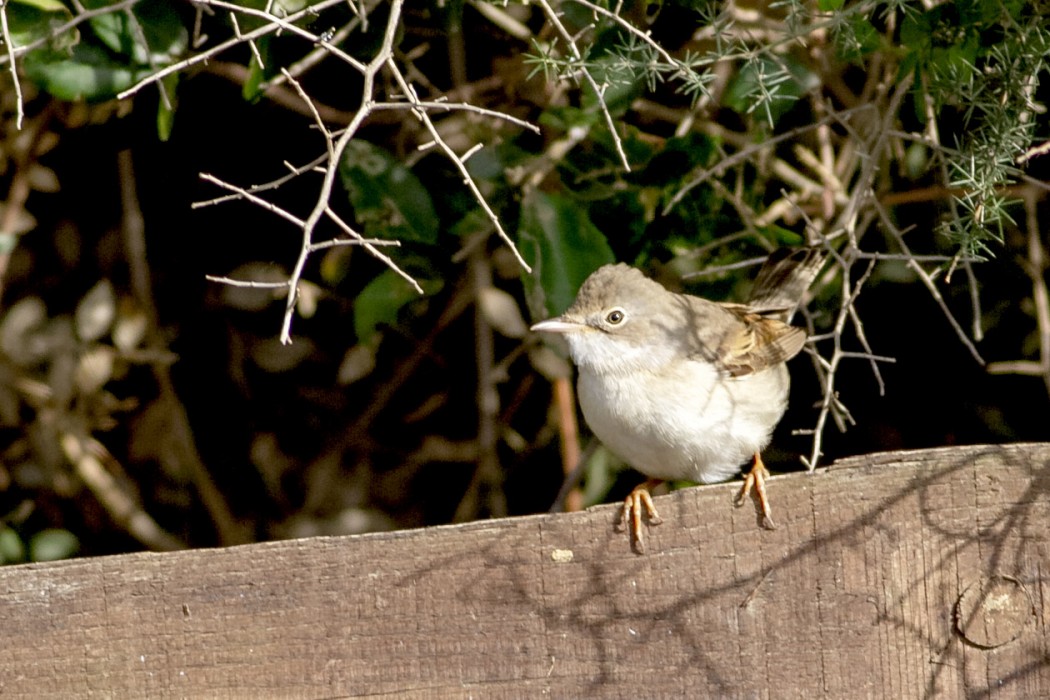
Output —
(756, 478)
(631, 515)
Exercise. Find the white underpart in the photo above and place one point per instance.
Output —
(675, 420)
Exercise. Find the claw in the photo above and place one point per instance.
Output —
(756, 478)
(631, 515)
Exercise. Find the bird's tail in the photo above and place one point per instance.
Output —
(783, 280)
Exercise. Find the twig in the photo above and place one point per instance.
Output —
(888, 224)
(288, 25)
(250, 284)
(269, 206)
(975, 298)
(314, 57)
(230, 531)
(439, 106)
(370, 247)
(140, 36)
(85, 454)
(458, 162)
(293, 173)
(853, 224)
(599, 92)
(510, 25)
(204, 56)
(828, 368)
(5, 34)
(751, 151)
(1036, 268)
(858, 328)
(82, 16)
(335, 154)
(337, 141)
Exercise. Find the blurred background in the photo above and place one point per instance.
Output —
(144, 406)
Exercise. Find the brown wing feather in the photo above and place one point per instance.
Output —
(756, 342)
(742, 339)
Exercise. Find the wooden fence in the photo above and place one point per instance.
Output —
(895, 575)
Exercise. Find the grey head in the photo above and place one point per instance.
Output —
(621, 320)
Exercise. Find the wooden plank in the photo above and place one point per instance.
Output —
(855, 595)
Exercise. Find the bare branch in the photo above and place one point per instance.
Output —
(83, 15)
(85, 454)
(269, 206)
(293, 173)
(1036, 268)
(250, 284)
(888, 224)
(335, 153)
(455, 106)
(267, 28)
(5, 34)
(369, 246)
(458, 162)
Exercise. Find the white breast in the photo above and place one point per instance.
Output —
(689, 422)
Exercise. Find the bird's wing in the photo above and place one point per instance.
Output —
(743, 341)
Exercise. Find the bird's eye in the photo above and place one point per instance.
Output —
(615, 316)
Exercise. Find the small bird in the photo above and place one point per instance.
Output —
(681, 387)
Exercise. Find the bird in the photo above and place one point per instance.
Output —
(680, 387)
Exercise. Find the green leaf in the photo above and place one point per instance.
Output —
(278, 8)
(87, 73)
(856, 39)
(44, 5)
(257, 73)
(916, 31)
(558, 240)
(166, 115)
(381, 300)
(565, 118)
(154, 21)
(388, 200)
(51, 545)
(679, 157)
(618, 93)
(29, 22)
(12, 550)
(769, 86)
(780, 236)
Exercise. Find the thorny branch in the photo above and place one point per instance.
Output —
(836, 182)
(599, 91)
(843, 219)
(335, 142)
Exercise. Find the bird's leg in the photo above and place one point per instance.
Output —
(757, 478)
(631, 516)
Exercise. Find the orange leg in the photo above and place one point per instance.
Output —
(757, 478)
(631, 516)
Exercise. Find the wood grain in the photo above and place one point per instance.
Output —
(859, 593)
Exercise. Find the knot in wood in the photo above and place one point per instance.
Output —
(993, 610)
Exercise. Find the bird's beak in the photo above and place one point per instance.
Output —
(558, 325)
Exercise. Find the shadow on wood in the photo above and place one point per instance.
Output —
(904, 574)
